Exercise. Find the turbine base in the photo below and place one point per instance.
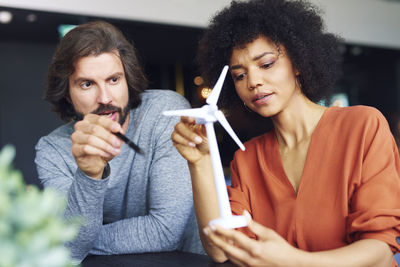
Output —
(234, 221)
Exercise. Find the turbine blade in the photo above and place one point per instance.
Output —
(222, 120)
(212, 99)
(193, 112)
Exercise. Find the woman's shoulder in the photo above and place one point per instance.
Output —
(359, 111)
(355, 115)
(354, 122)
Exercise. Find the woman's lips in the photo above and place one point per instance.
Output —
(261, 99)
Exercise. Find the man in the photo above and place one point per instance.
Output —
(131, 202)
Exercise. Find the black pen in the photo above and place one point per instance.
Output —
(129, 142)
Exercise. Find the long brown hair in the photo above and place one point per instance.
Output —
(93, 38)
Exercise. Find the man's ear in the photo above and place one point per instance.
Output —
(68, 98)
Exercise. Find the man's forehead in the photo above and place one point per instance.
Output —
(104, 64)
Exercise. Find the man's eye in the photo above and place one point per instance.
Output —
(114, 80)
(86, 85)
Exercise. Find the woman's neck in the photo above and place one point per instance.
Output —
(296, 123)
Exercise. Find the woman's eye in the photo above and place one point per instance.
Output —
(86, 85)
(239, 77)
(267, 65)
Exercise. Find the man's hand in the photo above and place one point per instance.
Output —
(94, 144)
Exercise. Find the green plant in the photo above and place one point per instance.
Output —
(32, 227)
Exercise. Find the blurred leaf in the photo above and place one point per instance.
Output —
(33, 230)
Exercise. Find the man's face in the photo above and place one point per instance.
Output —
(99, 86)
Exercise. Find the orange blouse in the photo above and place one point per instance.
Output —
(349, 188)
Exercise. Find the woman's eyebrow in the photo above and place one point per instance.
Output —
(261, 55)
(238, 66)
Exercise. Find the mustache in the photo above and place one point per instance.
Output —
(103, 108)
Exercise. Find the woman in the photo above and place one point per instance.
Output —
(323, 187)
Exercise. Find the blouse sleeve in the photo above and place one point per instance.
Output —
(239, 198)
(374, 198)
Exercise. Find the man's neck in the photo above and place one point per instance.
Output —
(126, 123)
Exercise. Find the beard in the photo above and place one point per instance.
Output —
(105, 109)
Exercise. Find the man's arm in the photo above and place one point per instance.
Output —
(57, 169)
(169, 194)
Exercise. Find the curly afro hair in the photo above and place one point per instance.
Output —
(294, 24)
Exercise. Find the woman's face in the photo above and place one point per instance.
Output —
(264, 77)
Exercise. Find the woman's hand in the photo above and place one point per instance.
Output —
(190, 139)
(269, 250)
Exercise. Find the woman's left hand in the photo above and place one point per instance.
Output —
(269, 250)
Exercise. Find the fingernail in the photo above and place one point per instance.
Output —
(116, 142)
(115, 127)
(205, 231)
(191, 144)
(212, 226)
(198, 139)
(116, 150)
(247, 215)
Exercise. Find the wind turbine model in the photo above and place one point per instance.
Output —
(208, 114)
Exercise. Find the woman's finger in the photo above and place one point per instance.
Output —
(234, 253)
(263, 233)
(188, 132)
(238, 238)
(178, 139)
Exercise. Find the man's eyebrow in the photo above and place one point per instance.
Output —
(254, 59)
(119, 73)
(79, 80)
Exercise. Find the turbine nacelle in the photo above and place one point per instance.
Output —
(202, 115)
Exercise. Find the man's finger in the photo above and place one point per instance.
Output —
(106, 122)
(81, 138)
(79, 150)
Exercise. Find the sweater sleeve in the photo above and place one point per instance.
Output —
(84, 195)
(375, 197)
(169, 195)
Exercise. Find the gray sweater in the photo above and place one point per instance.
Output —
(145, 204)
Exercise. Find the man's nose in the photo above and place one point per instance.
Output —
(104, 95)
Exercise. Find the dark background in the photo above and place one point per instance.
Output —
(371, 76)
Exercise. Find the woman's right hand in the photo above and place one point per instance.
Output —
(190, 139)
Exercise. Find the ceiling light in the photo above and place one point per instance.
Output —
(31, 18)
(5, 17)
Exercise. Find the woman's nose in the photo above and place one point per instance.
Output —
(254, 79)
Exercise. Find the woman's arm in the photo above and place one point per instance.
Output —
(190, 140)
